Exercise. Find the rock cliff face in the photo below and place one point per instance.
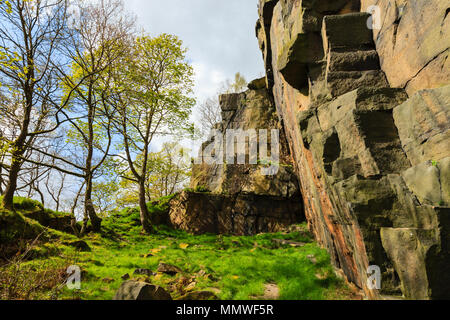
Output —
(231, 198)
(413, 41)
(364, 121)
(367, 123)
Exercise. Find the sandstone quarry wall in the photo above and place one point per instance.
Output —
(366, 115)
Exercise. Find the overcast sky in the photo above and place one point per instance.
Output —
(220, 36)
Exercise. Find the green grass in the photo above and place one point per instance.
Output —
(25, 205)
(236, 268)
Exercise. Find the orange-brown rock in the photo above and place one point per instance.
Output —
(413, 42)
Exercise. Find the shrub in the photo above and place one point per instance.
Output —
(202, 189)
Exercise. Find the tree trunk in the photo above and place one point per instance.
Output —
(89, 207)
(19, 147)
(8, 198)
(74, 226)
(1, 179)
(84, 225)
(41, 195)
(73, 221)
(145, 219)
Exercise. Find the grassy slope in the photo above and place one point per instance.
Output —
(233, 267)
(16, 225)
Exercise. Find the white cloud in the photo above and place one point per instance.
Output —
(207, 80)
(219, 35)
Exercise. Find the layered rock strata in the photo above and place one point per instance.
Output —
(372, 160)
(231, 198)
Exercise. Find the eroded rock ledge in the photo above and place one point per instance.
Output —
(238, 198)
(372, 161)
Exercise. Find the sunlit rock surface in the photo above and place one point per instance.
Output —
(370, 146)
(236, 198)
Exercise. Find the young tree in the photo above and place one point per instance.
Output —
(238, 85)
(153, 100)
(168, 172)
(55, 190)
(171, 171)
(104, 196)
(210, 114)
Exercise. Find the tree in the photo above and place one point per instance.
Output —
(101, 40)
(210, 114)
(168, 172)
(32, 34)
(238, 85)
(153, 99)
(55, 192)
(104, 197)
